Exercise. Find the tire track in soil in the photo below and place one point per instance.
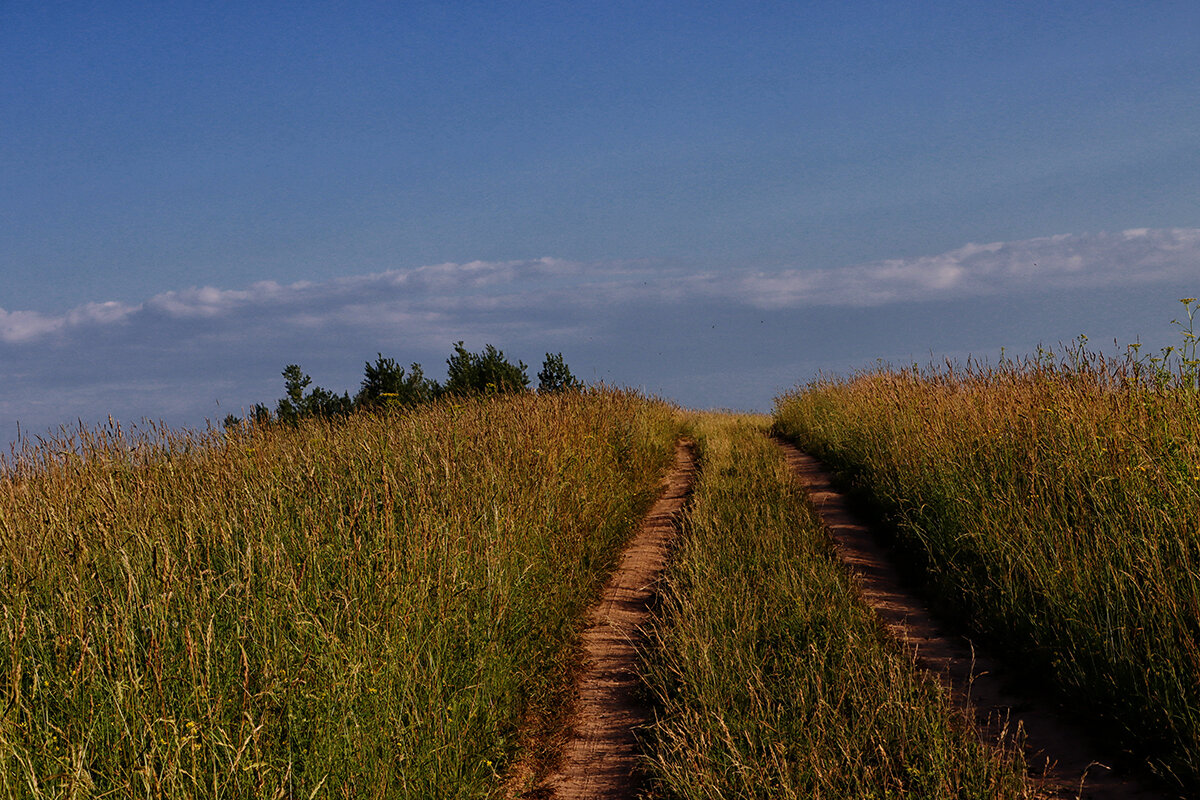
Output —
(1062, 761)
(599, 757)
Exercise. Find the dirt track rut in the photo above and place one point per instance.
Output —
(1062, 760)
(599, 757)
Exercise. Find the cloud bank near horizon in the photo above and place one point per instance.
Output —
(1053, 263)
(174, 356)
(486, 297)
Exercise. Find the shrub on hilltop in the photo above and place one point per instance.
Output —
(296, 405)
(387, 386)
(555, 376)
(488, 372)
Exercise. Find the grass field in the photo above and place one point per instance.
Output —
(1054, 505)
(362, 609)
(773, 680)
(389, 606)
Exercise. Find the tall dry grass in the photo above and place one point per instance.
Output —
(362, 609)
(774, 680)
(1055, 505)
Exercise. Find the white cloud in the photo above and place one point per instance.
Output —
(442, 298)
(1061, 263)
(207, 302)
(25, 326)
(21, 326)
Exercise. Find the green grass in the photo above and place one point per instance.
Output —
(773, 680)
(364, 609)
(1056, 507)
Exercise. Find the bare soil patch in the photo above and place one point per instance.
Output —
(1063, 761)
(597, 752)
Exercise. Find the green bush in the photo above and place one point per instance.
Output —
(488, 372)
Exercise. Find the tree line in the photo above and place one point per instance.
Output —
(387, 386)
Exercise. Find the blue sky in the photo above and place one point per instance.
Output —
(710, 201)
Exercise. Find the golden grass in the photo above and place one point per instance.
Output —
(773, 679)
(360, 609)
(1056, 507)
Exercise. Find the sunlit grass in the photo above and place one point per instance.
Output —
(361, 609)
(773, 679)
(1056, 507)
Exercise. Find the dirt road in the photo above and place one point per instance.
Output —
(598, 755)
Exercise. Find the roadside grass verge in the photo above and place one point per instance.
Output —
(772, 678)
(1054, 506)
(362, 609)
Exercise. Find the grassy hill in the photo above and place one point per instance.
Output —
(388, 603)
(1054, 507)
(357, 608)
